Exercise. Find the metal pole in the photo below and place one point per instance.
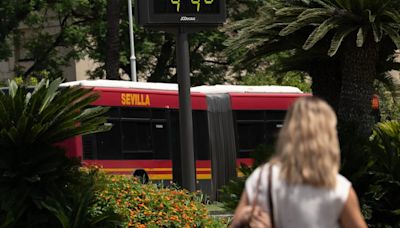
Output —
(132, 42)
(185, 112)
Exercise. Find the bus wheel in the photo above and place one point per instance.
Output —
(141, 175)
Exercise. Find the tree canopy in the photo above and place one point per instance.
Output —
(343, 44)
(82, 32)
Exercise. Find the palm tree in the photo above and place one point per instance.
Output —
(349, 34)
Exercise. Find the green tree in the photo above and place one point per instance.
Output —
(340, 43)
(11, 14)
(83, 31)
(112, 40)
(155, 51)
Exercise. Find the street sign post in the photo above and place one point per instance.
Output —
(182, 17)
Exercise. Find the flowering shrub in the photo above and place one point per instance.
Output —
(149, 205)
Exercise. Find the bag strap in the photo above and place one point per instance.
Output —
(253, 205)
(271, 205)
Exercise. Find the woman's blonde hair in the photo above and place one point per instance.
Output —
(308, 148)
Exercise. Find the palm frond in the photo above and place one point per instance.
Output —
(393, 34)
(338, 38)
(361, 37)
(377, 31)
(305, 20)
(290, 11)
(321, 31)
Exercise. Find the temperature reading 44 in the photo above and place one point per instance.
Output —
(187, 6)
(186, 12)
(197, 3)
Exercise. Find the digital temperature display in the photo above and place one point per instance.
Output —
(187, 6)
(188, 13)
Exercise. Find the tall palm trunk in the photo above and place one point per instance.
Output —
(112, 40)
(358, 73)
(326, 81)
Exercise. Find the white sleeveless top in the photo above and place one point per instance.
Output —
(300, 206)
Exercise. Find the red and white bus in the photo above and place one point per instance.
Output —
(229, 121)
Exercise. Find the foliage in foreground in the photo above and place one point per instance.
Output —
(382, 197)
(149, 205)
(34, 172)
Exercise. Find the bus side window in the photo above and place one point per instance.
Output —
(160, 133)
(200, 135)
(136, 137)
(274, 122)
(250, 131)
(254, 128)
(104, 145)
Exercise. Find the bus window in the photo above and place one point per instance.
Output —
(250, 131)
(275, 115)
(108, 144)
(104, 145)
(250, 135)
(160, 139)
(136, 137)
(135, 113)
(254, 128)
(200, 135)
(272, 130)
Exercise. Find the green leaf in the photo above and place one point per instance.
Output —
(393, 34)
(13, 88)
(361, 36)
(306, 20)
(392, 14)
(57, 210)
(377, 31)
(290, 11)
(50, 94)
(371, 17)
(321, 31)
(338, 38)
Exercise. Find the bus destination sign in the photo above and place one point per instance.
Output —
(180, 12)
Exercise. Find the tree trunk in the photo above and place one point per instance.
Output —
(160, 71)
(112, 40)
(326, 81)
(358, 69)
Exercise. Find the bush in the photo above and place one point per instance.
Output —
(34, 173)
(373, 166)
(382, 197)
(149, 205)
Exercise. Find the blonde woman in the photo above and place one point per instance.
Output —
(307, 190)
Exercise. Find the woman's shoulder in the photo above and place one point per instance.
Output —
(343, 186)
(342, 181)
